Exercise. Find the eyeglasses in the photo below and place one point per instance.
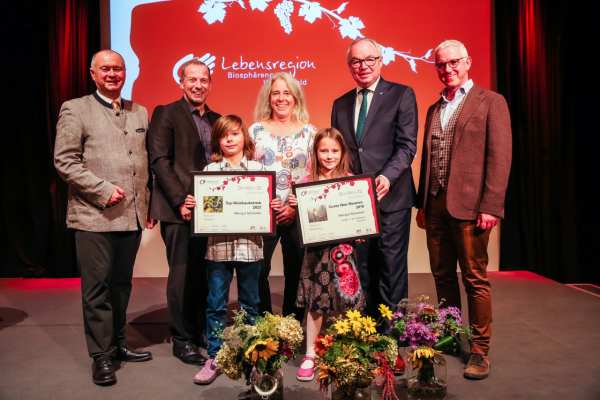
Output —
(452, 63)
(369, 62)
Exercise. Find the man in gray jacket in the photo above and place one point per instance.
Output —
(100, 152)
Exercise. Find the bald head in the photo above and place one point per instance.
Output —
(102, 53)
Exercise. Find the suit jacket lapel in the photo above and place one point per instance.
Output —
(351, 109)
(471, 102)
(429, 124)
(378, 97)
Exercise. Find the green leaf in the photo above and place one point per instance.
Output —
(261, 364)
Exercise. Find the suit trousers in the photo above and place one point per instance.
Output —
(293, 255)
(383, 263)
(450, 240)
(105, 260)
(187, 288)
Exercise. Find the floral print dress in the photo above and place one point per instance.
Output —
(288, 156)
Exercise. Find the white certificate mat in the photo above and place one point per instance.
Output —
(337, 210)
(234, 203)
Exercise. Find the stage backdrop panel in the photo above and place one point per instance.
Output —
(246, 40)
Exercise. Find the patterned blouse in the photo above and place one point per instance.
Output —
(288, 156)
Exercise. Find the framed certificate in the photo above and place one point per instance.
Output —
(234, 203)
(337, 210)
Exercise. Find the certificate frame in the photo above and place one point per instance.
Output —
(304, 200)
(231, 177)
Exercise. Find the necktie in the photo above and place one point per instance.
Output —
(362, 116)
(116, 106)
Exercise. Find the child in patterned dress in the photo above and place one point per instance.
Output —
(329, 281)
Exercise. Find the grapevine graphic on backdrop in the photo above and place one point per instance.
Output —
(215, 10)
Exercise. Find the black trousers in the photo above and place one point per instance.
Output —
(383, 263)
(187, 288)
(292, 265)
(106, 261)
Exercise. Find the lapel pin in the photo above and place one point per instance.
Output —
(380, 92)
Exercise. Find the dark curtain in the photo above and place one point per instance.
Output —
(46, 53)
(541, 66)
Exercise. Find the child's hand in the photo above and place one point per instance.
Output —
(293, 201)
(276, 204)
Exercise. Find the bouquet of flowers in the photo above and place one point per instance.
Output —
(352, 354)
(427, 325)
(427, 329)
(265, 346)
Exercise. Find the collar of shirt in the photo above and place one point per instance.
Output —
(224, 165)
(371, 88)
(464, 89)
(107, 101)
(192, 108)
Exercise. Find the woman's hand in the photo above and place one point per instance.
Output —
(286, 215)
(293, 201)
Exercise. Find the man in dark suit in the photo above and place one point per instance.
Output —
(100, 152)
(464, 173)
(178, 143)
(379, 122)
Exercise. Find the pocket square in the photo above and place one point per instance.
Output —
(140, 130)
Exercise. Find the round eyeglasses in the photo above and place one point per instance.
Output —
(452, 63)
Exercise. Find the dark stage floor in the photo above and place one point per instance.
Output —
(545, 345)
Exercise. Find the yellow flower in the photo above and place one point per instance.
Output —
(385, 311)
(342, 326)
(353, 316)
(262, 349)
(369, 324)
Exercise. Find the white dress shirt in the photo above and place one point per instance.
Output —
(446, 113)
(359, 100)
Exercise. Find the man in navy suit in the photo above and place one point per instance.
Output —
(378, 120)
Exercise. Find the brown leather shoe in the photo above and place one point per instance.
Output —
(478, 367)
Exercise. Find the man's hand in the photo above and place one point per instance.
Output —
(383, 186)
(286, 215)
(150, 222)
(421, 218)
(116, 197)
(486, 221)
(190, 202)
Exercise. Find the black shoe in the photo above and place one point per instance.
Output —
(126, 353)
(103, 372)
(189, 354)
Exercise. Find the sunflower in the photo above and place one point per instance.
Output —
(262, 349)
(385, 311)
(369, 324)
(353, 316)
(342, 326)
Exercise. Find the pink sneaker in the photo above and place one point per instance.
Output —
(208, 374)
(306, 374)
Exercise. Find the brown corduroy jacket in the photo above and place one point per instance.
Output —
(480, 158)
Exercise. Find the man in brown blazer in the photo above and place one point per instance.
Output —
(464, 173)
(100, 152)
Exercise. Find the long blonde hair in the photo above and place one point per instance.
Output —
(343, 168)
(264, 111)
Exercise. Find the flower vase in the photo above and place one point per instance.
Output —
(267, 386)
(358, 394)
(426, 378)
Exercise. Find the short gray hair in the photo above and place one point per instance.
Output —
(194, 62)
(449, 43)
(360, 39)
(93, 63)
(264, 111)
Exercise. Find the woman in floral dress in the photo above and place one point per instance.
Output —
(283, 140)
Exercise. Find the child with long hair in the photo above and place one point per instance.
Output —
(326, 287)
(232, 150)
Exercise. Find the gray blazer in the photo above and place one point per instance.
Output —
(96, 150)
